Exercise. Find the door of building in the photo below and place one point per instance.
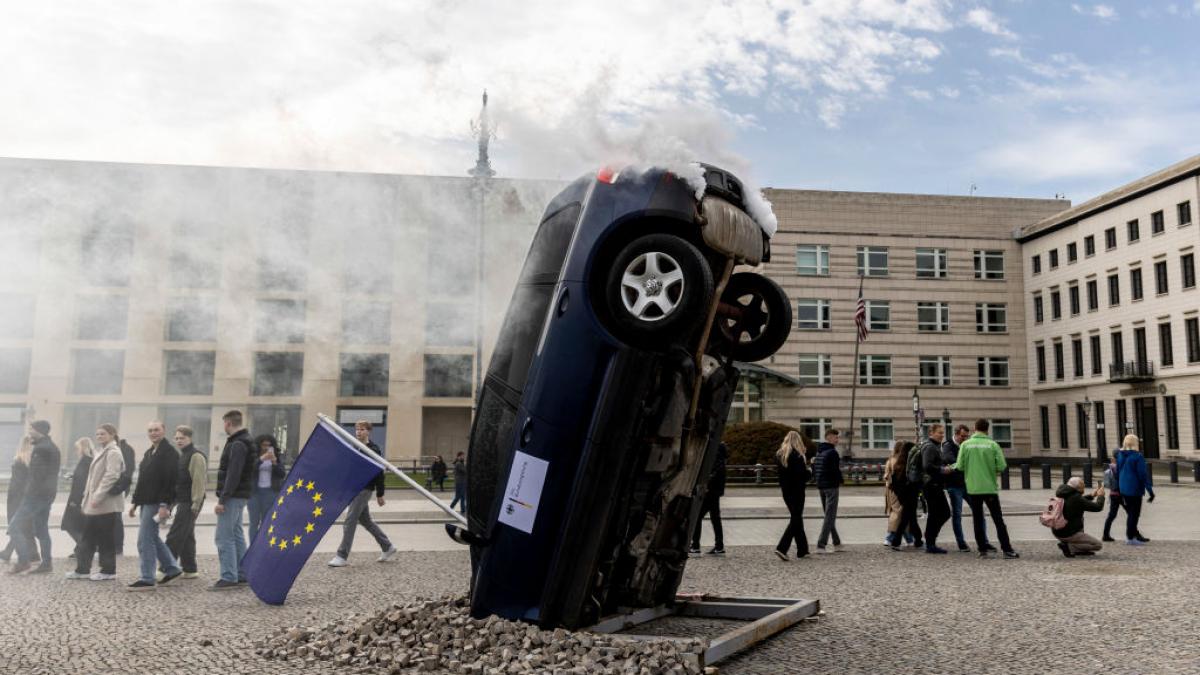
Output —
(1145, 415)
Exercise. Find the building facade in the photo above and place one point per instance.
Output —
(1114, 320)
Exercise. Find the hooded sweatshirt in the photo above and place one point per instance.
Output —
(980, 459)
(1132, 475)
(1075, 503)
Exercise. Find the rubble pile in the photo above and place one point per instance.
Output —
(441, 636)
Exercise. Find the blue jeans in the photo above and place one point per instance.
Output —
(261, 501)
(231, 540)
(460, 495)
(31, 523)
(957, 495)
(152, 552)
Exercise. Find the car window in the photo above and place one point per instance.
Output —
(491, 446)
(549, 247)
(519, 336)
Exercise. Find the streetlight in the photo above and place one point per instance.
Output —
(1087, 416)
(917, 413)
(946, 421)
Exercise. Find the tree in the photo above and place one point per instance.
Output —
(756, 442)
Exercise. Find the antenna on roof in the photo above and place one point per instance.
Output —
(974, 187)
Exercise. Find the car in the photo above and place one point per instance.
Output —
(608, 389)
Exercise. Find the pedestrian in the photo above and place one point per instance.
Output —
(153, 496)
(981, 461)
(1072, 540)
(437, 473)
(235, 480)
(122, 488)
(895, 482)
(792, 463)
(1112, 484)
(73, 518)
(268, 481)
(359, 511)
(101, 506)
(31, 525)
(910, 495)
(17, 482)
(956, 487)
(934, 473)
(1133, 481)
(460, 482)
(189, 500)
(712, 504)
(827, 472)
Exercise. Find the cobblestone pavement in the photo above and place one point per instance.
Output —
(1125, 611)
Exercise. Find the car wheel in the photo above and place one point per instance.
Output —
(755, 317)
(658, 291)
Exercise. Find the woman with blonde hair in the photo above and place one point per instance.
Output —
(73, 518)
(893, 482)
(1133, 481)
(16, 491)
(101, 508)
(792, 464)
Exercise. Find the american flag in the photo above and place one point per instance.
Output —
(860, 316)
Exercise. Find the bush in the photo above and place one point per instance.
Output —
(756, 442)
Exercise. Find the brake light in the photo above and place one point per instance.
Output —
(607, 175)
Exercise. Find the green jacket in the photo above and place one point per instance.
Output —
(980, 460)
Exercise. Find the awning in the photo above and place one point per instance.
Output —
(762, 372)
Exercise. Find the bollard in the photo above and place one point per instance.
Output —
(1025, 476)
(758, 470)
(1196, 471)
(1004, 479)
(1066, 471)
(1045, 476)
(1087, 475)
(1174, 466)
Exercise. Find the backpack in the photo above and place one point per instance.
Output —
(1052, 517)
(916, 467)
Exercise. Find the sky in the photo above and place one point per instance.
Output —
(1025, 98)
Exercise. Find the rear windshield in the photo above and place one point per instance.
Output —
(491, 445)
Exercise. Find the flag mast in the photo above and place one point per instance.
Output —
(858, 338)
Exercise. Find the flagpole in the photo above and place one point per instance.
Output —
(384, 464)
(854, 379)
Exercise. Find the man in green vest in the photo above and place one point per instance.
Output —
(981, 460)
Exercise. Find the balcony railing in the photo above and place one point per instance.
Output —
(1131, 371)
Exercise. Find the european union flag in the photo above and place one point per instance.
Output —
(326, 477)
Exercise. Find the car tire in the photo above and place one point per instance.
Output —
(657, 291)
(763, 319)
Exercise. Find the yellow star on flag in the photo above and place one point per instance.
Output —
(281, 501)
(271, 530)
(271, 541)
(317, 497)
(273, 514)
(317, 512)
(300, 483)
(296, 540)
(308, 527)
(310, 486)
(283, 544)
(290, 488)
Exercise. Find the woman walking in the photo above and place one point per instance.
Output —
(793, 478)
(73, 518)
(909, 501)
(1111, 484)
(101, 509)
(16, 492)
(268, 481)
(1133, 481)
(894, 483)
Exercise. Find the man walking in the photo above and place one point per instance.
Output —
(981, 460)
(460, 482)
(154, 494)
(189, 499)
(235, 477)
(30, 527)
(956, 487)
(712, 504)
(827, 472)
(359, 511)
(1072, 540)
(934, 473)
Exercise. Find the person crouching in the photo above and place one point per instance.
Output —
(1072, 540)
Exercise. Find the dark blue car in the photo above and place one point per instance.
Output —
(608, 391)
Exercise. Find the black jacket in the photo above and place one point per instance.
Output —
(278, 467)
(157, 475)
(437, 470)
(16, 487)
(1075, 504)
(954, 479)
(794, 477)
(183, 477)
(44, 465)
(235, 473)
(126, 479)
(79, 481)
(931, 463)
(716, 479)
(377, 483)
(827, 467)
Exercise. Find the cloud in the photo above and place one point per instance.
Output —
(830, 110)
(1100, 11)
(918, 94)
(986, 21)
(948, 92)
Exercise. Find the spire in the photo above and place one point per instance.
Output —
(485, 131)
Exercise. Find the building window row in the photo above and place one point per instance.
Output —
(876, 370)
(934, 316)
(1133, 233)
(1166, 349)
(873, 261)
(1162, 286)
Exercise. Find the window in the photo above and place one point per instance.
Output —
(1059, 371)
(102, 317)
(1187, 269)
(1045, 412)
(1077, 355)
(816, 369)
(879, 314)
(1037, 264)
(877, 433)
(279, 321)
(933, 316)
(1171, 414)
(1073, 298)
(108, 244)
(1038, 313)
(1081, 424)
(874, 369)
(1184, 212)
(281, 421)
(1101, 442)
(188, 373)
(934, 370)
(277, 374)
(1114, 290)
(1139, 344)
(17, 310)
(1123, 425)
(931, 263)
(747, 402)
(1196, 420)
(1191, 329)
(812, 314)
(97, 371)
(364, 375)
(1135, 283)
(1157, 225)
(812, 260)
(993, 371)
(1041, 363)
(989, 264)
(82, 420)
(1089, 245)
(191, 319)
(1053, 256)
(447, 375)
(198, 417)
(1117, 341)
(1001, 431)
(1132, 226)
(366, 322)
(1110, 238)
(1166, 352)
(1093, 295)
(1064, 439)
(1072, 252)
(814, 427)
(991, 318)
(872, 261)
(1160, 277)
(1055, 305)
(1097, 357)
(14, 370)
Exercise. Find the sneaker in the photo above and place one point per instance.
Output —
(838, 548)
(782, 555)
(1086, 553)
(188, 576)
(930, 548)
(158, 576)
(1066, 549)
(387, 555)
(140, 585)
(989, 548)
(693, 551)
(44, 568)
(337, 561)
(983, 552)
(822, 549)
(963, 548)
(1135, 542)
(22, 567)
(1012, 555)
(1144, 540)
(101, 576)
(1107, 538)
(75, 576)
(717, 550)
(223, 585)
(168, 578)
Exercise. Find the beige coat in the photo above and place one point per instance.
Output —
(891, 500)
(107, 465)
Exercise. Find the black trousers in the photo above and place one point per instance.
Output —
(992, 502)
(939, 512)
(181, 538)
(711, 508)
(1133, 511)
(98, 536)
(909, 499)
(795, 527)
(1114, 505)
(118, 535)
